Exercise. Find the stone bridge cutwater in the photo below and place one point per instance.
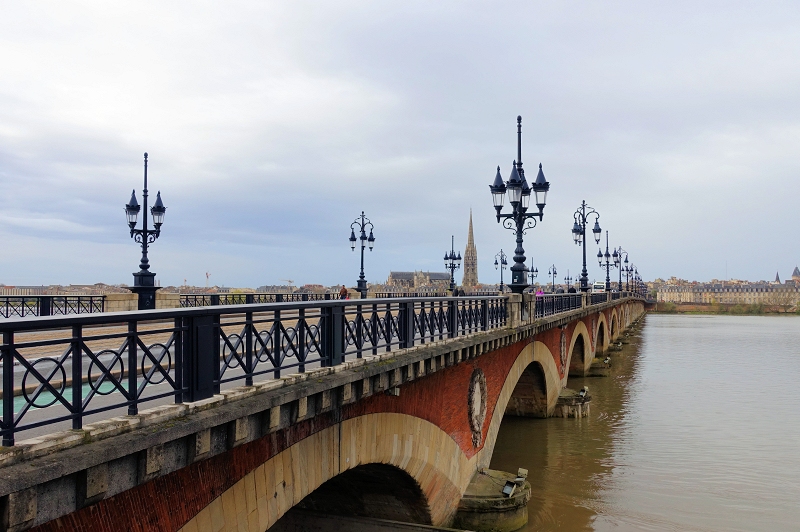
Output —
(262, 416)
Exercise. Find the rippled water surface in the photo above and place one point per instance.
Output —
(697, 428)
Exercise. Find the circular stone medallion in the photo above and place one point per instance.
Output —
(477, 405)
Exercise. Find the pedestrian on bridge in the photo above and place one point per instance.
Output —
(343, 293)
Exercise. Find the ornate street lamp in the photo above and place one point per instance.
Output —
(628, 274)
(144, 280)
(640, 286)
(552, 273)
(519, 220)
(568, 280)
(621, 265)
(452, 262)
(503, 258)
(361, 223)
(607, 261)
(581, 217)
(533, 273)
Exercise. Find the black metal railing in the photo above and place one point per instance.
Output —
(598, 297)
(70, 369)
(207, 300)
(24, 306)
(549, 304)
(384, 295)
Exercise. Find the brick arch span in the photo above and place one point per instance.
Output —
(370, 490)
(579, 358)
(432, 445)
(534, 382)
(534, 353)
(419, 448)
(601, 334)
(614, 328)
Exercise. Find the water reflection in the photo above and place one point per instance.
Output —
(695, 429)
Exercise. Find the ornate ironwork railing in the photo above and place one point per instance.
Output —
(599, 297)
(484, 293)
(65, 369)
(549, 304)
(384, 295)
(24, 306)
(206, 300)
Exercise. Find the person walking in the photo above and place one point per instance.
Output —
(343, 293)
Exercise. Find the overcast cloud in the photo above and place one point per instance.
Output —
(271, 125)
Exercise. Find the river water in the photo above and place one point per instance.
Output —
(696, 428)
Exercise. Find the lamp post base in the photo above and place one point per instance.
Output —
(361, 288)
(144, 286)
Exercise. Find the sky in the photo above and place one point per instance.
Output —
(270, 126)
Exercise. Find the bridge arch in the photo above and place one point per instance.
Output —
(579, 358)
(614, 327)
(422, 450)
(368, 490)
(533, 353)
(602, 340)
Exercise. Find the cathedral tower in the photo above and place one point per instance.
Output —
(470, 259)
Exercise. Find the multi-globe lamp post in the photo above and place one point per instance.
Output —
(452, 262)
(628, 272)
(362, 223)
(552, 273)
(607, 261)
(533, 273)
(519, 219)
(501, 265)
(568, 280)
(144, 280)
(581, 217)
(621, 265)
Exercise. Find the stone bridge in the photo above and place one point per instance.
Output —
(397, 435)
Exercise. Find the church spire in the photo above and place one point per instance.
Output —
(470, 238)
(470, 279)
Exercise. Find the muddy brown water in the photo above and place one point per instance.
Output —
(696, 429)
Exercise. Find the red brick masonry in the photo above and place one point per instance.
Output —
(168, 502)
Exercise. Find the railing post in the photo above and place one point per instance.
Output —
(276, 343)
(406, 324)
(484, 315)
(214, 299)
(77, 377)
(248, 347)
(249, 299)
(333, 335)
(278, 298)
(301, 340)
(45, 305)
(133, 370)
(452, 318)
(179, 387)
(373, 320)
(8, 389)
(199, 358)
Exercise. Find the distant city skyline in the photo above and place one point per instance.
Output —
(271, 126)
